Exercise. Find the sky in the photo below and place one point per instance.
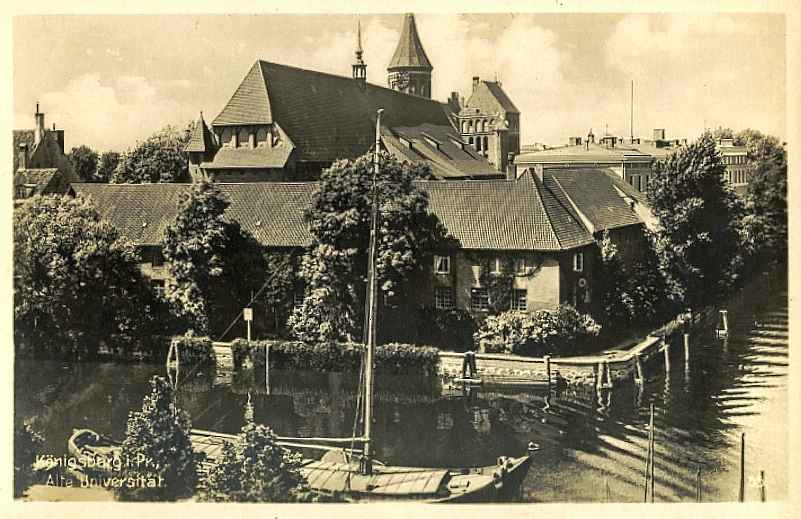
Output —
(110, 81)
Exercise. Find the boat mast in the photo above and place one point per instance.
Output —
(372, 311)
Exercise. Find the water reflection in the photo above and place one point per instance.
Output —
(594, 440)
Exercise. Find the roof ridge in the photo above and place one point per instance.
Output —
(536, 186)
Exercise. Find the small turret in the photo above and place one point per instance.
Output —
(359, 68)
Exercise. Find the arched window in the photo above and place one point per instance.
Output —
(464, 126)
(261, 137)
(242, 137)
(227, 136)
(470, 126)
(486, 144)
(478, 143)
(470, 140)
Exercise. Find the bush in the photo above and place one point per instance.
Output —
(563, 331)
(159, 436)
(27, 442)
(389, 358)
(253, 468)
(452, 329)
(194, 350)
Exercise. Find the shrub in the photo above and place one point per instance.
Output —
(389, 358)
(452, 329)
(194, 350)
(253, 468)
(563, 331)
(158, 435)
(27, 442)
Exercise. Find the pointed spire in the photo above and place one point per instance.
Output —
(201, 139)
(409, 52)
(359, 68)
(359, 50)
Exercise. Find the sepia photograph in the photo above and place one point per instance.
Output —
(400, 256)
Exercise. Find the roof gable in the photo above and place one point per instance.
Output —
(202, 139)
(409, 53)
(250, 103)
(488, 97)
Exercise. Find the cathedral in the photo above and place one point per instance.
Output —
(287, 124)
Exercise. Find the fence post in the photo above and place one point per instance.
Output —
(698, 485)
(666, 349)
(638, 366)
(762, 490)
(687, 347)
(548, 370)
(742, 468)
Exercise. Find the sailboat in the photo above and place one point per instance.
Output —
(348, 469)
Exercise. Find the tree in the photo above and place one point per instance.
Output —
(254, 468)
(160, 158)
(698, 241)
(157, 446)
(766, 204)
(215, 265)
(335, 268)
(28, 442)
(76, 280)
(109, 161)
(84, 162)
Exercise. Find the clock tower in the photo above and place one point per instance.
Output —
(409, 71)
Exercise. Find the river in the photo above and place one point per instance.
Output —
(593, 446)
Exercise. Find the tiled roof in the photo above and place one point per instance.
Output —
(441, 147)
(327, 117)
(489, 97)
(202, 139)
(409, 52)
(504, 215)
(260, 157)
(271, 211)
(250, 103)
(593, 193)
(40, 180)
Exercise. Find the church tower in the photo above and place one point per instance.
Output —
(359, 68)
(409, 71)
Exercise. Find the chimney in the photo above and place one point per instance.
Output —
(40, 126)
(454, 102)
(511, 169)
(475, 83)
(659, 134)
(23, 156)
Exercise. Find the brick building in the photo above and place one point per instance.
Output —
(287, 124)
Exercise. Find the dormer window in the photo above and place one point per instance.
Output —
(442, 264)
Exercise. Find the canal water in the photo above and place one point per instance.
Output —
(593, 446)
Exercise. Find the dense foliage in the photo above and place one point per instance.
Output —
(698, 241)
(159, 158)
(158, 435)
(108, 163)
(214, 264)
(766, 221)
(76, 280)
(451, 329)
(389, 358)
(335, 268)
(84, 162)
(563, 331)
(633, 293)
(254, 468)
(27, 444)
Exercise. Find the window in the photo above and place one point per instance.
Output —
(158, 287)
(298, 296)
(519, 299)
(261, 137)
(479, 300)
(443, 298)
(578, 262)
(226, 136)
(157, 258)
(243, 137)
(495, 266)
(522, 265)
(442, 264)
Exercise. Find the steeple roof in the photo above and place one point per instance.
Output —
(409, 53)
(201, 138)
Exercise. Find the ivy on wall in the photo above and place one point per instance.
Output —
(500, 282)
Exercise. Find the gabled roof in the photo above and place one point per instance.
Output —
(504, 215)
(250, 103)
(488, 98)
(441, 147)
(271, 211)
(259, 157)
(328, 117)
(409, 53)
(592, 193)
(202, 139)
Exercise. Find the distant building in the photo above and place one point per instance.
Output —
(40, 166)
(737, 167)
(287, 124)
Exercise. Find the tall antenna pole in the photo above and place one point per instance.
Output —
(632, 111)
(372, 286)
